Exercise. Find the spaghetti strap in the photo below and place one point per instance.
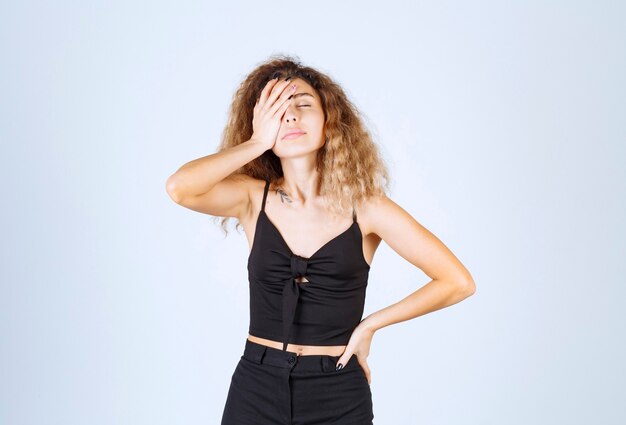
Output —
(267, 185)
(353, 215)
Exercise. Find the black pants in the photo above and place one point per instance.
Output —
(272, 387)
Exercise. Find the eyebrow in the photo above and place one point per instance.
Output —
(301, 94)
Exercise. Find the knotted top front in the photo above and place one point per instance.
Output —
(298, 265)
(291, 292)
(324, 309)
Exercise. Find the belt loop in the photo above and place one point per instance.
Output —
(328, 363)
(262, 354)
(259, 353)
(254, 352)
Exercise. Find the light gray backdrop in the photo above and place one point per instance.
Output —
(503, 124)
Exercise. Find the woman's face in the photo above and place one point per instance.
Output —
(305, 115)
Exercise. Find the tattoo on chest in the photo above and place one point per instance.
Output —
(283, 195)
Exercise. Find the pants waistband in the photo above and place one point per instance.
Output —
(262, 354)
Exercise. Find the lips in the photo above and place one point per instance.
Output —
(292, 134)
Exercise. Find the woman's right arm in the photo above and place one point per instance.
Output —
(207, 184)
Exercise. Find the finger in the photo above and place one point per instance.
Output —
(283, 108)
(286, 94)
(277, 90)
(284, 99)
(266, 90)
(343, 359)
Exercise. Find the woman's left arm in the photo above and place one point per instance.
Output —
(451, 281)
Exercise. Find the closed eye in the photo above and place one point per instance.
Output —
(303, 105)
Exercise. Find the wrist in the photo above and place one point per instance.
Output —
(368, 325)
(258, 142)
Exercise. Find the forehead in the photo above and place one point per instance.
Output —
(302, 88)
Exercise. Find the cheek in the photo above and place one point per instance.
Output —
(317, 121)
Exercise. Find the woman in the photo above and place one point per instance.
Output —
(300, 172)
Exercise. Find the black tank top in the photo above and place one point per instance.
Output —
(323, 311)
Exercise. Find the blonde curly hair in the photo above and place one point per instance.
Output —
(350, 164)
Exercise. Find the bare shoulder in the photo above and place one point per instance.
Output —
(230, 197)
(369, 211)
(410, 239)
(384, 217)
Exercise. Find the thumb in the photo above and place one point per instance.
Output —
(341, 362)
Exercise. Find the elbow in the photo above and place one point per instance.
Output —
(468, 287)
(171, 189)
(464, 284)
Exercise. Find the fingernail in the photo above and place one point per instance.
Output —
(339, 367)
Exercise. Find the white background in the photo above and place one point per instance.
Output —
(503, 124)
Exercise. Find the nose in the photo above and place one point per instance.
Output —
(290, 114)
